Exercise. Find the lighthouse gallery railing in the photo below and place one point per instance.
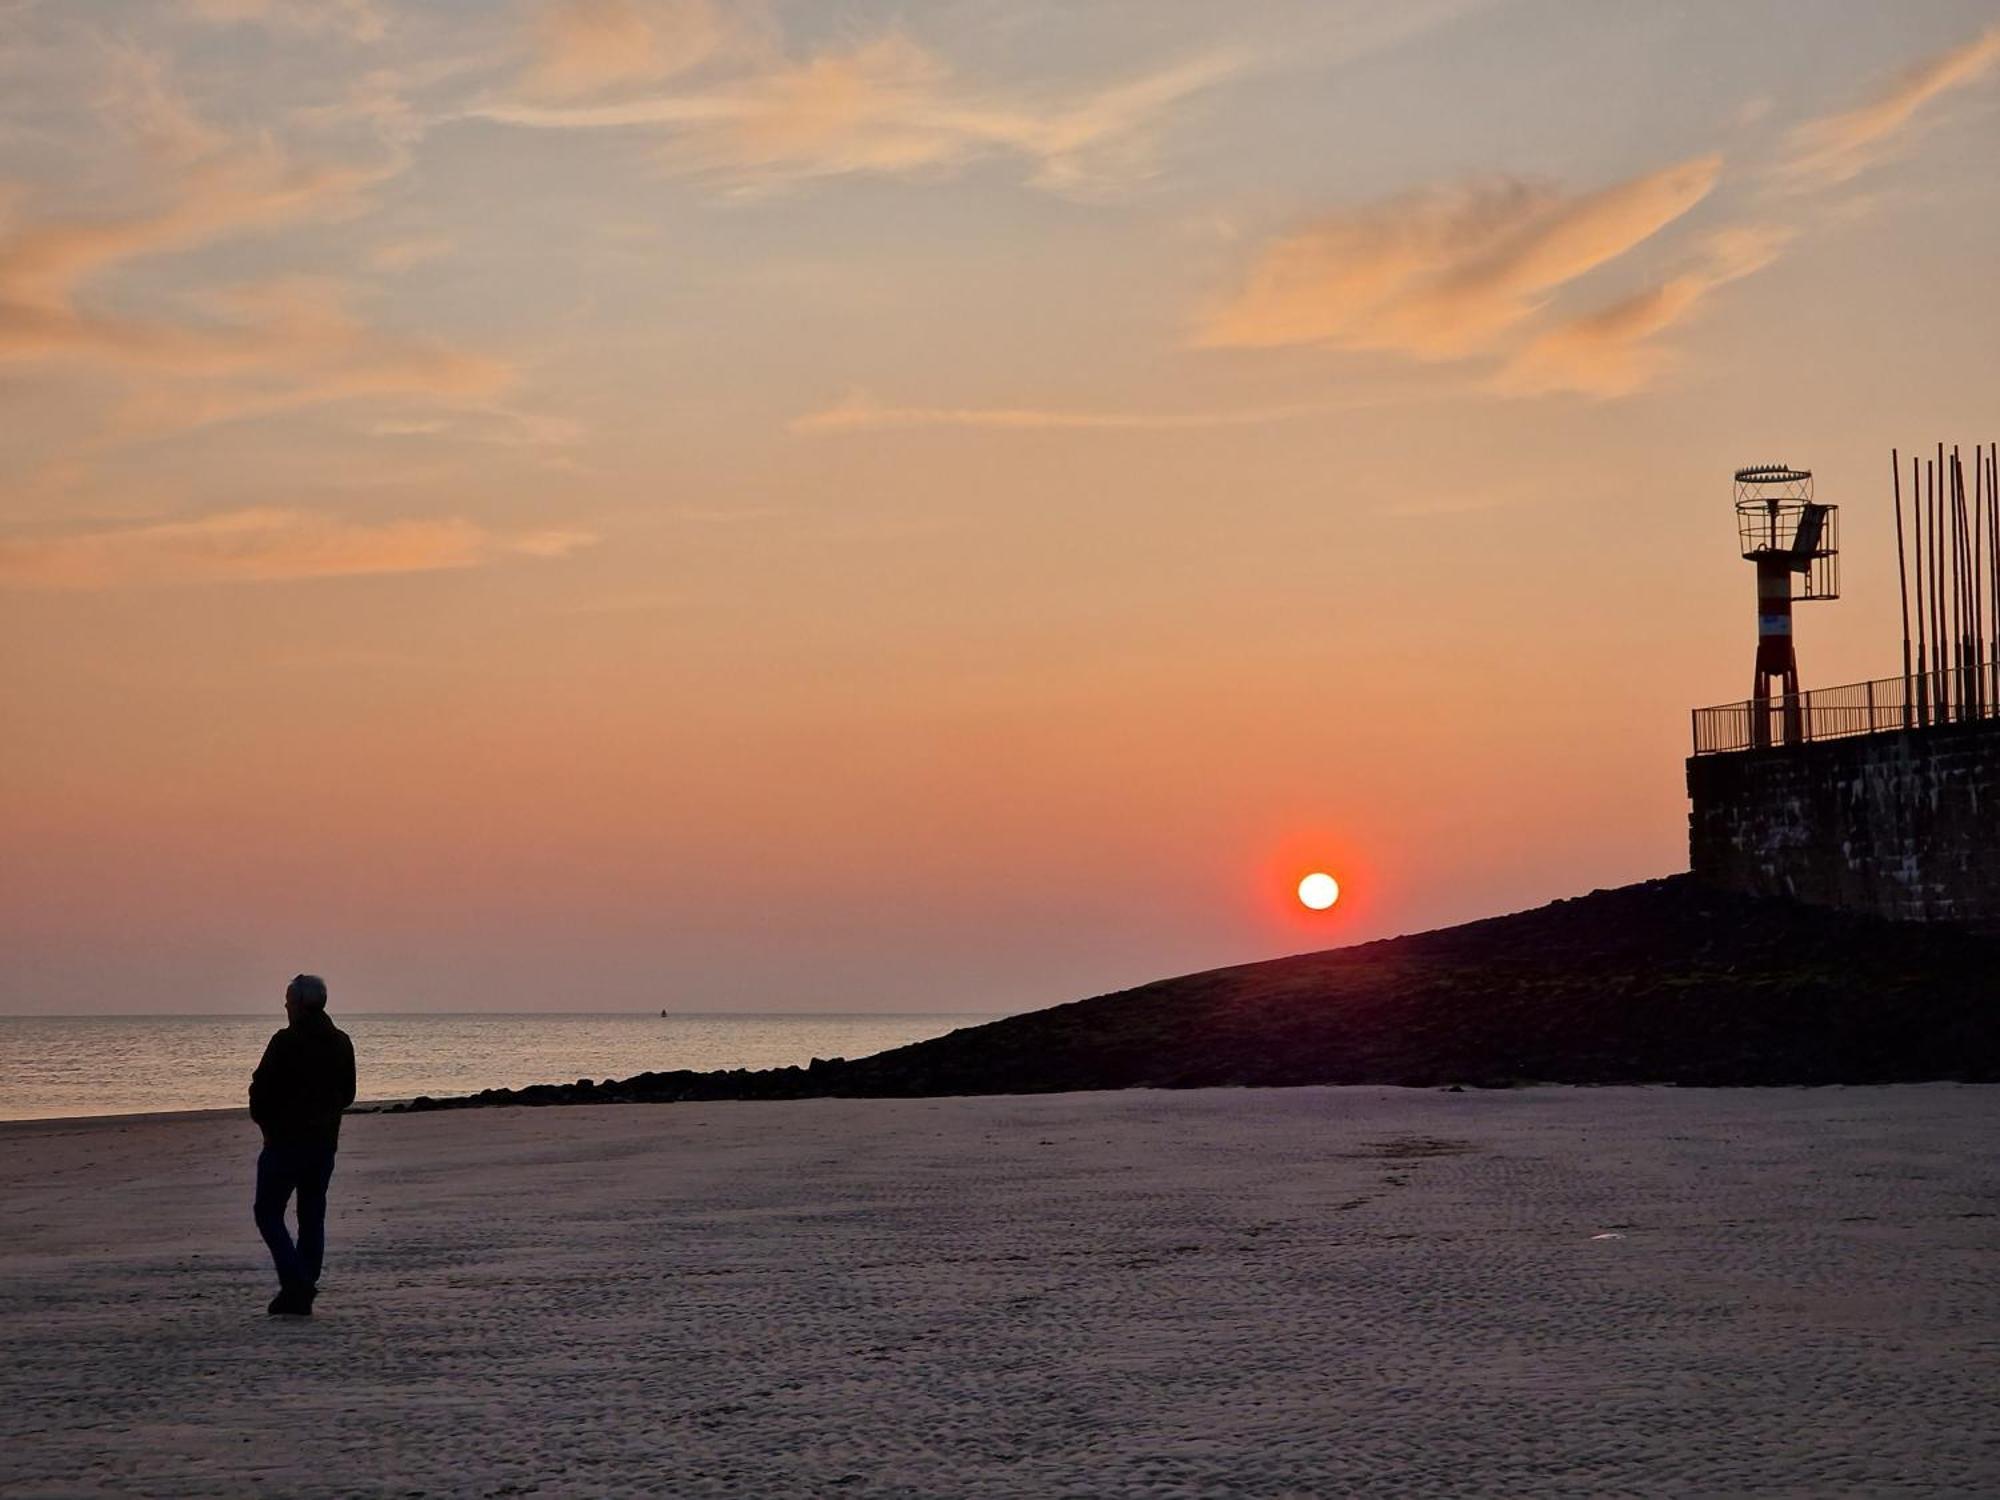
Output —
(1953, 695)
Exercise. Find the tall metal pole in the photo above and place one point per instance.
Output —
(1940, 616)
(1992, 513)
(1954, 603)
(1977, 581)
(1940, 581)
(1975, 578)
(1993, 558)
(1902, 581)
(1961, 659)
(1917, 573)
(1934, 588)
(1969, 663)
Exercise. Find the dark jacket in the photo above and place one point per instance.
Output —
(305, 1080)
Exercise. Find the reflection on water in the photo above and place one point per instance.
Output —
(100, 1065)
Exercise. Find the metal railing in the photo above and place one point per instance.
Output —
(1952, 695)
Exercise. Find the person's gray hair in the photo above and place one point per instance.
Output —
(308, 990)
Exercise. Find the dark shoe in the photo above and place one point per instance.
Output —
(292, 1301)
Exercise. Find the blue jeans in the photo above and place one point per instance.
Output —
(282, 1169)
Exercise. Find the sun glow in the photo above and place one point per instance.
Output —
(1319, 891)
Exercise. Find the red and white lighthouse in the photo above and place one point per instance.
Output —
(1794, 541)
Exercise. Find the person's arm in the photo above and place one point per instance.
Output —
(265, 1084)
(347, 1072)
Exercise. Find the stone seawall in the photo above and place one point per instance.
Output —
(1903, 825)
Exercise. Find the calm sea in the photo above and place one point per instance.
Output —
(53, 1066)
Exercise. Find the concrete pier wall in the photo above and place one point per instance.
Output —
(1906, 825)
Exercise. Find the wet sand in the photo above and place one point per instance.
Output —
(1270, 1292)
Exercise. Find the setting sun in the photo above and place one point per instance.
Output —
(1319, 891)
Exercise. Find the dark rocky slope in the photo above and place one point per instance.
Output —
(1665, 982)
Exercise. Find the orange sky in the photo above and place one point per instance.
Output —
(624, 502)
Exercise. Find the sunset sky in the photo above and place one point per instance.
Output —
(855, 506)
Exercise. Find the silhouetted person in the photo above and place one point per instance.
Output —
(296, 1095)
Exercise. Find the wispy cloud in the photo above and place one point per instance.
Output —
(1609, 352)
(625, 604)
(211, 188)
(293, 342)
(860, 412)
(1612, 351)
(262, 544)
(359, 20)
(583, 46)
(487, 422)
(282, 344)
(1834, 148)
(1445, 274)
(401, 255)
(888, 106)
(207, 186)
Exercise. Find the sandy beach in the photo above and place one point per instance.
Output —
(1269, 1292)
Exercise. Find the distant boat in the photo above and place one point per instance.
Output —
(663, 1015)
